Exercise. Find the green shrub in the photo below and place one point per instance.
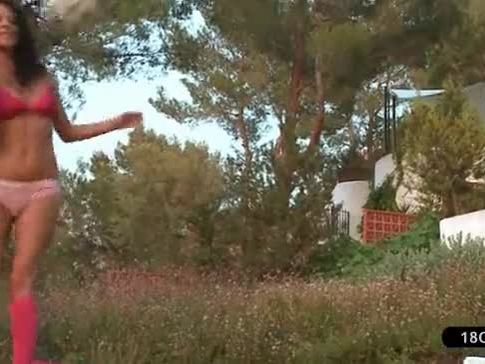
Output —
(404, 263)
(420, 251)
(341, 256)
(383, 197)
(419, 248)
(423, 234)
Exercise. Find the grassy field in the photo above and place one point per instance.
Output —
(183, 317)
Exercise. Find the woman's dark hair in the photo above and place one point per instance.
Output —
(28, 65)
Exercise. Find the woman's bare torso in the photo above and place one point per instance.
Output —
(26, 146)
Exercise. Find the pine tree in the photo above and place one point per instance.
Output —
(443, 148)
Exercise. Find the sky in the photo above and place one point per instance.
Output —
(106, 99)
(110, 98)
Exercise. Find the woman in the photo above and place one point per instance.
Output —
(30, 194)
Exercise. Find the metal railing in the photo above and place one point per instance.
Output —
(338, 221)
(390, 122)
(38, 8)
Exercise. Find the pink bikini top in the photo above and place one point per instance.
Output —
(11, 105)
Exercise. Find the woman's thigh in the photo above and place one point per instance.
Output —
(34, 229)
(5, 229)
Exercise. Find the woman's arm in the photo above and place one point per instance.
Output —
(75, 132)
(69, 132)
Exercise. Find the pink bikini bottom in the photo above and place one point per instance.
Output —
(15, 196)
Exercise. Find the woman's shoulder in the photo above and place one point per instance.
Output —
(47, 79)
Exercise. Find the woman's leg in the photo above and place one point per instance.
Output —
(5, 228)
(34, 228)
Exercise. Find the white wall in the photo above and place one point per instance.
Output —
(472, 224)
(474, 360)
(383, 168)
(352, 196)
(406, 195)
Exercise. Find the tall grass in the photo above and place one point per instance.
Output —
(184, 317)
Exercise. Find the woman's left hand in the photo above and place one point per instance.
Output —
(128, 120)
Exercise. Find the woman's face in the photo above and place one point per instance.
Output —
(8, 28)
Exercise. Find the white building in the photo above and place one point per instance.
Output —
(352, 192)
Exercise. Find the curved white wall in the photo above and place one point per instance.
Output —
(352, 196)
(406, 194)
(471, 225)
(474, 360)
(383, 168)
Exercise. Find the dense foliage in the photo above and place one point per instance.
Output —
(383, 197)
(443, 148)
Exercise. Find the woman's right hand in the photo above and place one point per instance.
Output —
(130, 119)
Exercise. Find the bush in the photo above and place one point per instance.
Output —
(418, 249)
(423, 234)
(383, 197)
(342, 256)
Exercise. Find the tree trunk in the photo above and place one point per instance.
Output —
(243, 131)
(320, 112)
(370, 136)
(449, 205)
(286, 148)
(248, 240)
